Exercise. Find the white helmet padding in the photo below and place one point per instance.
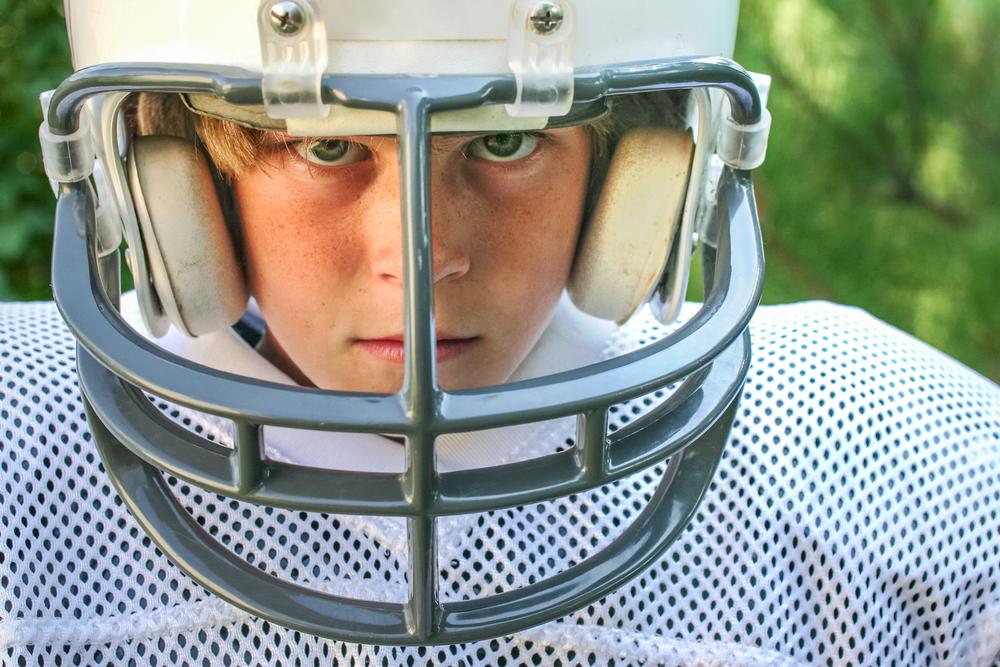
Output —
(624, 247)
(191, 255)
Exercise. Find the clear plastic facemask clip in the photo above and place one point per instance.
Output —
(294, 54)
(540, 54)
(745, 146)
(67, 157)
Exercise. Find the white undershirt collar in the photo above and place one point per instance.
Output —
(572, 339)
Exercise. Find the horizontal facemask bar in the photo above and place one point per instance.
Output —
(141, 363)
(344, 121)
(682, 419)
(384, 92)
(178, 535)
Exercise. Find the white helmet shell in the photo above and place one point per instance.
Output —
(391, 37)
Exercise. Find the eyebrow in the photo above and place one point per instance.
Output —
(439, 142)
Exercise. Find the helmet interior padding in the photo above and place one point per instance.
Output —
(191, 255)
(624, 247)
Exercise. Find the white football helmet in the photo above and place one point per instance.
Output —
(340, 67)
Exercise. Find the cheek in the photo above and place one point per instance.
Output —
(531, 228)
(294, 251)
(535, 245)
(288, 228)
(536, 221)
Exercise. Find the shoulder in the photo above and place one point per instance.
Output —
(855, 509)
(805, 351)
(819, 368)
(38, 389)
(75, 552)
(872, 462)
(833, 336)
(844, 369)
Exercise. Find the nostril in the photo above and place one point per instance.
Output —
(452, 269)
(390, 278)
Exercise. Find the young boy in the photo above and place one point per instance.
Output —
(852, 518)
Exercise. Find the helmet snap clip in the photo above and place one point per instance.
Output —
(293, 55)
(540, 55)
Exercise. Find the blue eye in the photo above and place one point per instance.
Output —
(331, 152)
(503, 147)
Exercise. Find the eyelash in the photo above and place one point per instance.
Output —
(303, 148)
(539, 137)
(300, 149)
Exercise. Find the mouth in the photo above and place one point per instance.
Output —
(390, 348)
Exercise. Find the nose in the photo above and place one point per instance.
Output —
(383, 222)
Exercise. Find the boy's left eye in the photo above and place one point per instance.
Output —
(503, 147)
(331, 152)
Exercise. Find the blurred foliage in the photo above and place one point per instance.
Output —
(881, 185)
(34, 56)
(880, 188)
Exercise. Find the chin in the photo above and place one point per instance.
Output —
(449, 378)
(457, 381)
(366, 385)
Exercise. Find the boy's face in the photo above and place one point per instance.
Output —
(323, 244)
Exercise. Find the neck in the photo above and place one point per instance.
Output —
(271, 349)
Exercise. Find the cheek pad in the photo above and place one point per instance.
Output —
(626, 242)
(188, 247)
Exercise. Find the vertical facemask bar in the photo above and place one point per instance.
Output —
(420, 391)
(669, 295)
(592, 442)
(109, 270)
(108, 228)
(114, 143)
(248, 468)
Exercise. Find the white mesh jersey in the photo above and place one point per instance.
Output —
(853, 520)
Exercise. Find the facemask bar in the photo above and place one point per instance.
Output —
(671, 426)
(135, 439)
(368, 413)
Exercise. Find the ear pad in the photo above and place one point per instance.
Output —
(624, 246)
(190, 253)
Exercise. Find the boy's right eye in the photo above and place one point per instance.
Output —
(331, 152)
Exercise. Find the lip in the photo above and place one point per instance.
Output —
(390, 348)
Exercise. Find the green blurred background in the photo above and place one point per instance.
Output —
(880, 189)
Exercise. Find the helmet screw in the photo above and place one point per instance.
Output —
(287, 17)
(546, 18)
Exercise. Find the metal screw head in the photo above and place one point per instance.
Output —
(287, 17)
(546, 18)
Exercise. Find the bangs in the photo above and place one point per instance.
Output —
(233, 147)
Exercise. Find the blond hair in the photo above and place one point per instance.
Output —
(233, 147)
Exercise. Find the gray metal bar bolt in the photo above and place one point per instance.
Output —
(592, 442)
(420, 391)
(248, 469)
